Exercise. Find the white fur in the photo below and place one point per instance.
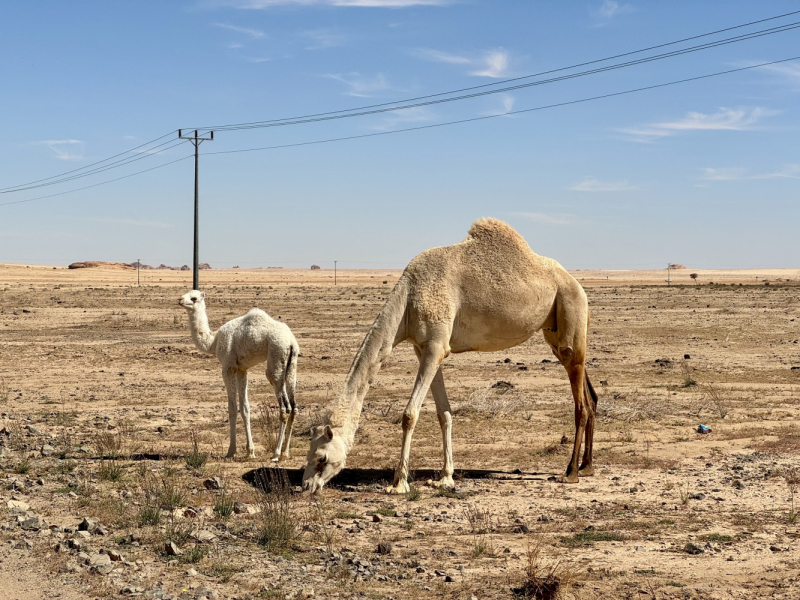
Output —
(240, 344)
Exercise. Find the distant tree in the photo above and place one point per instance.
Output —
(694, 276)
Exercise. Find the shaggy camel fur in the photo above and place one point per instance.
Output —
(242, 343)
(489, 292)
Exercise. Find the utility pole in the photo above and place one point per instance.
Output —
(196, 141)
(334, 272)
(138, 266)
(669, 270)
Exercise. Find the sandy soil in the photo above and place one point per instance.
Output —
(92, 366)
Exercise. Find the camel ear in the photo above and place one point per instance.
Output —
(203, 295)
(329, 432)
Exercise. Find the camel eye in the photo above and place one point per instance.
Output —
(323, 459)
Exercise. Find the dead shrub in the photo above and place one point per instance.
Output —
(631, 406)
(279, 529)
(545, 579)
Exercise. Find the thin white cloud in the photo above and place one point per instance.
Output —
(788, 72)
(362, 87)
(65, 149)
(262, 4)
(319, 39)
(790, 171)
(490, 63)
(495, 64)
(253, 33)
(595, 185)
(506, 105)
(547, 218)
(611, 8)
(128, 222)
(419, 114)
(725, 119)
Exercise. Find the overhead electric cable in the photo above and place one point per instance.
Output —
(97, 184)
(515, 112)
(89, 165)
(120, 163)
(742, 37)
(788, 27)
(482, 118)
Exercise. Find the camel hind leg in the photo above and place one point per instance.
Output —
(290, 386)
(446, 423)
(568, 342)
(276, 375)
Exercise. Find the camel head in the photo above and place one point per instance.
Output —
(326, 457)
(192, 300)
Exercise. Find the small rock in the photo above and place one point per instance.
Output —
(203, 535)
(85, 535)
(192, 573)
(376, 519)
(23, 545)
(115, 556)
(48, 450)
(87, 525)
(32, 524)
(690, 548)
(17, 507)
(96, 560)
(448, 579)
(775, 549)
(171, 549)
(698, 496)
(384, 548)
(131, 589)
(213, 483)
(521, 529)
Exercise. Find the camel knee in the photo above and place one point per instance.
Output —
(445, 419)
(409, 419)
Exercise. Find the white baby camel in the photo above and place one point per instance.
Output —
(487, 293)
(240, 344)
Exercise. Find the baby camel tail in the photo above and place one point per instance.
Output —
(487, 293)
(240, 344)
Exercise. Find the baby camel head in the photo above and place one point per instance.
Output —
(192, 300)
(326, 457)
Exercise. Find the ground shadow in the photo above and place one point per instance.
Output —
(266, 478)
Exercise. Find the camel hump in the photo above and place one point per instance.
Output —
(494, 232)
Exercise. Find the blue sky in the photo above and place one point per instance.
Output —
(704, 173)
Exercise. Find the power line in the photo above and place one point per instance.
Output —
(120, 163)
(421, 127)
(86, 170)
(515, 112)
(89, 165)
(390, 106)
(97, 184)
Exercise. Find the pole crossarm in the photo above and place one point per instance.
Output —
(196, 141)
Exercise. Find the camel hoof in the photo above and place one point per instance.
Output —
(285, 457)
(445, 483)
(401, 487)
(275, 459)
(568, 478)
(230, 454)
(586, 471)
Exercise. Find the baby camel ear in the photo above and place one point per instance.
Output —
(329, 432)
(203, 295)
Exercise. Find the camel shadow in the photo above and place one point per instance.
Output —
(351, 479)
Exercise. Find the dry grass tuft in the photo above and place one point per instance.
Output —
(632, 406)
(544, 579)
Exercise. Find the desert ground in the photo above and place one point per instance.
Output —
(113, 431)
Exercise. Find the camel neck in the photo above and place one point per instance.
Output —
(376, 347)
(202, 336)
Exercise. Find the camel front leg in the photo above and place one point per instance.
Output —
(229, 378)
(431, 357)
(244, 409)
(446, 423)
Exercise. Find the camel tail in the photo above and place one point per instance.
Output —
(590, 390)
(291, 372)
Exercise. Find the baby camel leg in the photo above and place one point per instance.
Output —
(244, 409)
(277, 384)
(291, 384)
(229, 378)
(446, 423)
(431, 357)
